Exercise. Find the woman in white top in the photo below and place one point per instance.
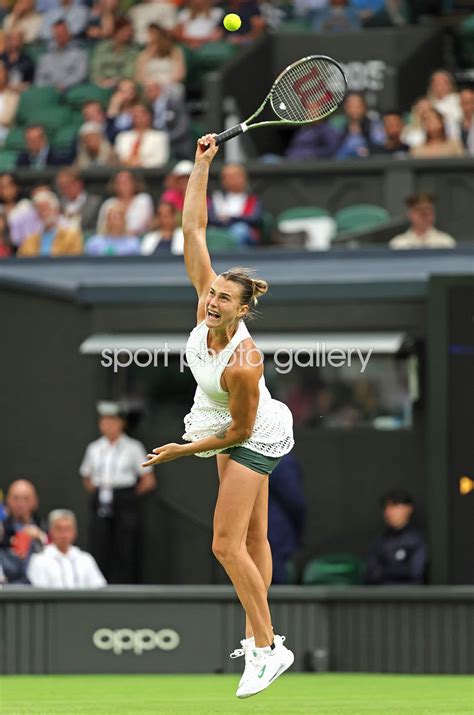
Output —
(161, 61)
(234, 417)
(199, 23)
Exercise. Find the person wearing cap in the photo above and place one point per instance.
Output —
(399, 554)
(94, 149)
(115, 480)
(176, 183)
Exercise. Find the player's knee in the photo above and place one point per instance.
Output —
(223, 548)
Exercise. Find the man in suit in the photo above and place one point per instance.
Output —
(78, 206)
(142, 145)
(38, 152)
(170, 115)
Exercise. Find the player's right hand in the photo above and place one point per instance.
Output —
(206, 148)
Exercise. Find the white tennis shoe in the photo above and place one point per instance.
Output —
(247, 645)
(263, 667)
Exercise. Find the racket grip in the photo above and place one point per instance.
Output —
(229, 134)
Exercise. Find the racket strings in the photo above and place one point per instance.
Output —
(309, 90)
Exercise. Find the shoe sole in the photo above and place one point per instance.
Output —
(279, 672)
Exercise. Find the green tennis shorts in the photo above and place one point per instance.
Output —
(253, 460)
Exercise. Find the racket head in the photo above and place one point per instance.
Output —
(308, 90)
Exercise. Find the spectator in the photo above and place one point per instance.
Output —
(23, 518)
(463, 130)
(92, 111)
(142, 145)
(338, 17)
(443, 95)
(199, 23)
(319, 141)
(436, 143)
(72, 14)
(8, 103)
(128, 191)
(378, 12)
(286, 515)
(114, 241)
(393, 144)
(309, 9)
(159, 13)
(413, 133)
(94, 149)
(114, 478)
(176, 183)
(19, 211)
(166, 236)
(422, 232)
(119, 111)
(398, 556)
(56, 238)
(63, 65)
(170, 115)
(6, 248)
(361, 133)
(38, 153)
(162, 60)
(253, 22)
(235, 208)
(102, 17)
(113, 60)
(20, 68)
(79, 207)
(25, 19)
(60, 564)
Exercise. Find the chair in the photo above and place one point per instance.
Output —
(333, 570)
(15, 140)
(296, 24)
(77, 96)
(7, 160)
(51, 118)
(220, 239)
(359, 217)
(316, 222)
(34, 99)
(466, 38)
(65, 137)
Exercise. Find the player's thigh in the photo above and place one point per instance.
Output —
(238, 491)
(258, 524)
(222, 460)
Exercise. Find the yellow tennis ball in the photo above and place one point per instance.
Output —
(232, 22)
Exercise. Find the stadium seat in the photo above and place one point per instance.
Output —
(213, 54)
(337, 122)
(466, 37)
(7, 159)
(64, 137)
(34, 99)
(301, 212)
(219, 239)
(51, 118)
(360, 216)
(314, 221)
(296, 24)
(15, 140)
(333, 570)
(82, 93)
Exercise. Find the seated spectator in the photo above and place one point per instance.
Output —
(399, 555)
(463, 130)
(92, 111)
(19, 211)
(199, 23)
(162, 60)
(393, 144)
(60, 564)
(6, 247)
(79, 207)
(413, 132)
(235, 208)
(102, 17)
(128, 192)
(56, 238)
(114, 241)
(361, 133)
(443, 95)
(378, 12)
(176, 183)
(166, 236)
(286, 515)
(159, 13)
(20, 68)
(72, 14)
(422, 232)
(94, 149)
(25, 19)
(338, 17)
(64, 64)
(8, 103)
(142, 145)
(253, 23)
(309, 9)
(114, 60)
(38, 152)
(318, 141)
(170, 115)
(119, 111)
(436, 144)
(22, 518)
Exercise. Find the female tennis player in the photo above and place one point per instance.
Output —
(234, 417)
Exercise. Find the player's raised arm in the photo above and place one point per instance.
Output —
(196, 255)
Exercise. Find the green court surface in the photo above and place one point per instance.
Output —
(331, 694)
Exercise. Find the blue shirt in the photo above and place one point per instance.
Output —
(372, 5)
(47, 241)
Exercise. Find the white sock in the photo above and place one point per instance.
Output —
(248, 641)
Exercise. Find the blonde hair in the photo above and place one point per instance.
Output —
(252, 288)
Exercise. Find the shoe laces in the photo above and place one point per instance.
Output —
(238, 652)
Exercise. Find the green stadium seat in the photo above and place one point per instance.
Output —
(466, 38)
(82, 93)
(268, 224)
(34, 99)
(337, 122)
(333, 570)
(313, 221)
(214, 54)
(219, 239)
(359, 217)
(296, 24)
(51, 118)
(15, 140)
(64, 137)
(7, 159)
(301, 212)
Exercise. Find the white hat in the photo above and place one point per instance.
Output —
(110, 409)
(183, 168)
(90, 128)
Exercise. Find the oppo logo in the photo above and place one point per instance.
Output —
(124, 639)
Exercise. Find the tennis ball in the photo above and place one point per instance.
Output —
(232, 22)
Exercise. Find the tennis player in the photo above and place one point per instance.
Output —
(235, 418)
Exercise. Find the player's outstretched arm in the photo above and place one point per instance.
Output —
(196, 255)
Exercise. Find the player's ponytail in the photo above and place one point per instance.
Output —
(252, 288)
(259, 287)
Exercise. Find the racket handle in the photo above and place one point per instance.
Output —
(229, 134)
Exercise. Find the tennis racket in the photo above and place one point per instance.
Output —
(306, 91)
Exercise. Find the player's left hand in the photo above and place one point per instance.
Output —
(166, 453)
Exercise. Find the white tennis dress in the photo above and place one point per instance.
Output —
(273, 430)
